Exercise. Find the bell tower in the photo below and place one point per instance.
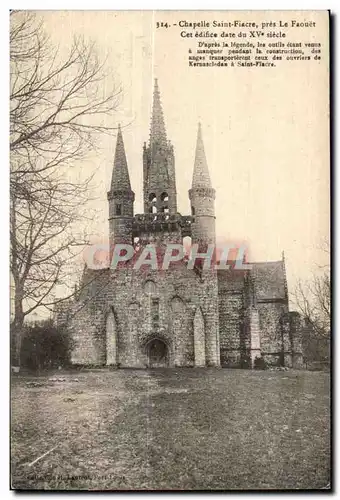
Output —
(159, 181)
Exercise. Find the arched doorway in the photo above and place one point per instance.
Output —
(158, 354)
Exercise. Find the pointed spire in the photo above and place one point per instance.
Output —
(157, 131)
(120, 175)
(200, 177)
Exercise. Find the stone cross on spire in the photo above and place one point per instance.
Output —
(200, 177)
(157, 130)
(120, 175)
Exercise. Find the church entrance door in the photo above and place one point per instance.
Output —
(158, 355)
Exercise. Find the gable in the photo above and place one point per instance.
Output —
(270, 280)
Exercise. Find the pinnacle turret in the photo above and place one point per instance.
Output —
(200, 177)
(202, 197)
(120, 175)
(120, 197)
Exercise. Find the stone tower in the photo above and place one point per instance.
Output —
(120, 197)
(160, 223)
(202, 198)
(159, 184)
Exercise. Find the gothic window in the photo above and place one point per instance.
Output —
(177, 306)
(165, 201)
(118, 209)
(150, 287)
(136, 243)
(152, 203)
(193, 213)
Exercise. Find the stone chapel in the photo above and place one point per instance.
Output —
(180, 317)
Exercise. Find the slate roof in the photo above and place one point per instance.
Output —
(270, 280)
(230, 280)
(200, 176)
(120, 175)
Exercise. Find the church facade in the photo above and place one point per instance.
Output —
(139, 318)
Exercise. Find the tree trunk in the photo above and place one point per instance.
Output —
(17, 328)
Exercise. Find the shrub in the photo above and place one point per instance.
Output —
(45, 346)
(245, 363)
(260, 363)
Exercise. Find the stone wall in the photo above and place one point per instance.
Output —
(129, 294)
(292, 339)
(179, 292)
(231, 317)
(270, 314)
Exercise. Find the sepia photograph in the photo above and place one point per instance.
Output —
(170, 280)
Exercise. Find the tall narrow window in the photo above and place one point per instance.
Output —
(118, 209)
(155, 314)
(164, 202)
(136, 243)
(152, 203)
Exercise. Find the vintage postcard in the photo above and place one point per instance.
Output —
(170, 250)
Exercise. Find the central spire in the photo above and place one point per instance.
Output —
(157, 130)
(159, 179)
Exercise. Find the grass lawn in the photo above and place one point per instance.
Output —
(172, 429)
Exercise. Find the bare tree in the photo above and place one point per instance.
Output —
(313, 300)
(57, 107)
